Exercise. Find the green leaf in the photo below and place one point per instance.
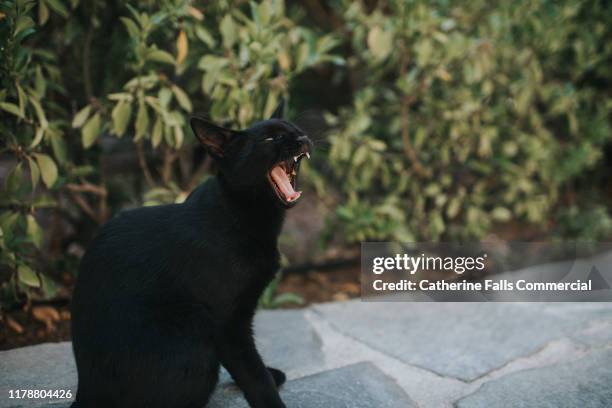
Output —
(164, 95)
(178, 136)
(58, 7)
(501, 214)
(264, 12)
(22, 35)
(288, 298)
(48, 169)
(132, 28)
(255, 14)
(182, 98)
(81, 117)
(229, 31)
(11, 108)
(154, 103)
(134, 12)
(160, 56)
(40, 85)
(360, 155)
(8, 219)
(158, 128)
(205, 36)
(142, 121)
(23, 23)
(91, 131)
(302, 56)
(27, 276)
(121, 117)
(380, 42)
(326, 43)
(13, 180)
(212, 62)
(49, 287)
(22, 99)
(168, 135)
(82, 171)
(454, 206)
(43, 12)
(34, 173)
(34, 231)
(59, 147)
(158, 18)
(121, 96)
(42, 118)
(38, 137)
(44, 201)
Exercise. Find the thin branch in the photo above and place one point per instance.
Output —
(81, 202)
(170, 156)
(103, 211)
(405, 105)
(87, 62)
(77, 189)
(200, 171)
(87, 188)
(142, 161)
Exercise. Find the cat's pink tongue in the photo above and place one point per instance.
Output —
(282, 181)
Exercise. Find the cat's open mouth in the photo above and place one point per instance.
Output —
(283, 178)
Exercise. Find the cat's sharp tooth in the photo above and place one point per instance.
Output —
(308, 155)
(295, 159)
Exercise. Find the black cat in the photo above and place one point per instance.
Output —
(166, 294)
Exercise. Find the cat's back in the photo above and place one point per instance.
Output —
(128, 247)
(139, 245)
(135, 230)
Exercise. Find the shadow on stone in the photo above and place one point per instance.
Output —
(359, 385)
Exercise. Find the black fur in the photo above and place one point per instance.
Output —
(166, 294)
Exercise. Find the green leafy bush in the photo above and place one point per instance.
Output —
(449, 117)
(140, 79)
(467, 114)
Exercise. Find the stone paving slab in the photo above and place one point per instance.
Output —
(427, 389)
(356, 386)
(464, 340)
(434, 353)
(47, 366)
(586, 383)
(286, 340)
(43, 404)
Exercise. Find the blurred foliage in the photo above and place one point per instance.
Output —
(467, 114)
(271, 300)
(460, 115)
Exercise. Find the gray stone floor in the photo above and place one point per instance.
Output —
(392, 354)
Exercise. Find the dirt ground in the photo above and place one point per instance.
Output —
(51, 323)
(40, 324)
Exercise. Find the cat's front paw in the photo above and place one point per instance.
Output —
(278, 376)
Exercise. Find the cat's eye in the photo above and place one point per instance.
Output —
(273, 138)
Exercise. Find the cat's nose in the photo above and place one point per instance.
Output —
(305, 140)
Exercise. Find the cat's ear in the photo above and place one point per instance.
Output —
(279, 111)
(213, 137)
